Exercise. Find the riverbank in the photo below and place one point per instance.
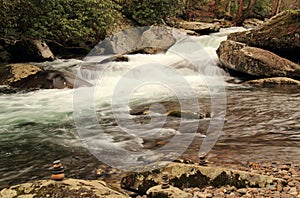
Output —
(248, 180)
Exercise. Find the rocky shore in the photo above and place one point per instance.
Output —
(178, 179)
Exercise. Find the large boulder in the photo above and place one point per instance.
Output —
(27, 50)
(66, 188)
(255, 61)
(149, 40)
(200, 27)
(190, 175)
(281, 35)
(27, 76)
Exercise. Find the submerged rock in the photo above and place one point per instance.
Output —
(66, 188)
(189, 175)
(276, 81)
(281, 35)
(255, 61)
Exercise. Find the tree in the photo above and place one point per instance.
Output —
(242, 13)
(276, 4)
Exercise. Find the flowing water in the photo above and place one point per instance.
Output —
(261, 124)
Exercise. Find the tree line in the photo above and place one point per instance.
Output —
(83, 23)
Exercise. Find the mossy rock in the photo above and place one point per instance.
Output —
(255, 61)
(281, 35)
(191, 175)
(12, 73)
(66, 188)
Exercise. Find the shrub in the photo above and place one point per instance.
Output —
(146, 12)
(64, 21)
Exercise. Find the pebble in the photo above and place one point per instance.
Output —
(279, 187)
(291, 184)
(242, 191)
(293, 191)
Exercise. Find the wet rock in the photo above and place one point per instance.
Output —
(27, 76)
(12, 73)
(281, 35)
(200, 27)
(147, 40)
(275, 81)
(170, 192)
(66, 188)
(252, 23)
(186, 114)
(187, 175)
(255, 61)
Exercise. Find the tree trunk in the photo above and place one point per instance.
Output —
(244, 14)
(278, 6)
(275, 7)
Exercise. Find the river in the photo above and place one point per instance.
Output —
(261, 124)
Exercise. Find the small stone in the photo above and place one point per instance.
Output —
(242, 191)
(279, 187)
(253, 190)
(8, 193)
(196, 189)
(291, 184)
(293, 191)
(232, 189)
(204, 195)
(286, 189)
(284, 167)
(231, 195)
(220, 191)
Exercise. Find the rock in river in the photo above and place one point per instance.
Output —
(255, 61)
(276, 81)
(281, 35)
(27, 76)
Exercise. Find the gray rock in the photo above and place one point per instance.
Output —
(148, 40)
(276, 81)
(281, 35)
(189, 175)
(66, 188)
(200, 27)
(28, 76)
(171, 192)
(255, 61)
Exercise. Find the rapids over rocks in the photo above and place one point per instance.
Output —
(261, 124)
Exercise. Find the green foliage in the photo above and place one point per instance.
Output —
(63, 21)
(146, 12)
(262, 8)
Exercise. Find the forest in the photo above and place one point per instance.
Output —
(84, 23)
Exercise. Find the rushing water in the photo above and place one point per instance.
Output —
(262, 124)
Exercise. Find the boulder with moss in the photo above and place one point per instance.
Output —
(28, 76)
(66, 188)
(255, 61)
(190, 175)
(281, 35)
